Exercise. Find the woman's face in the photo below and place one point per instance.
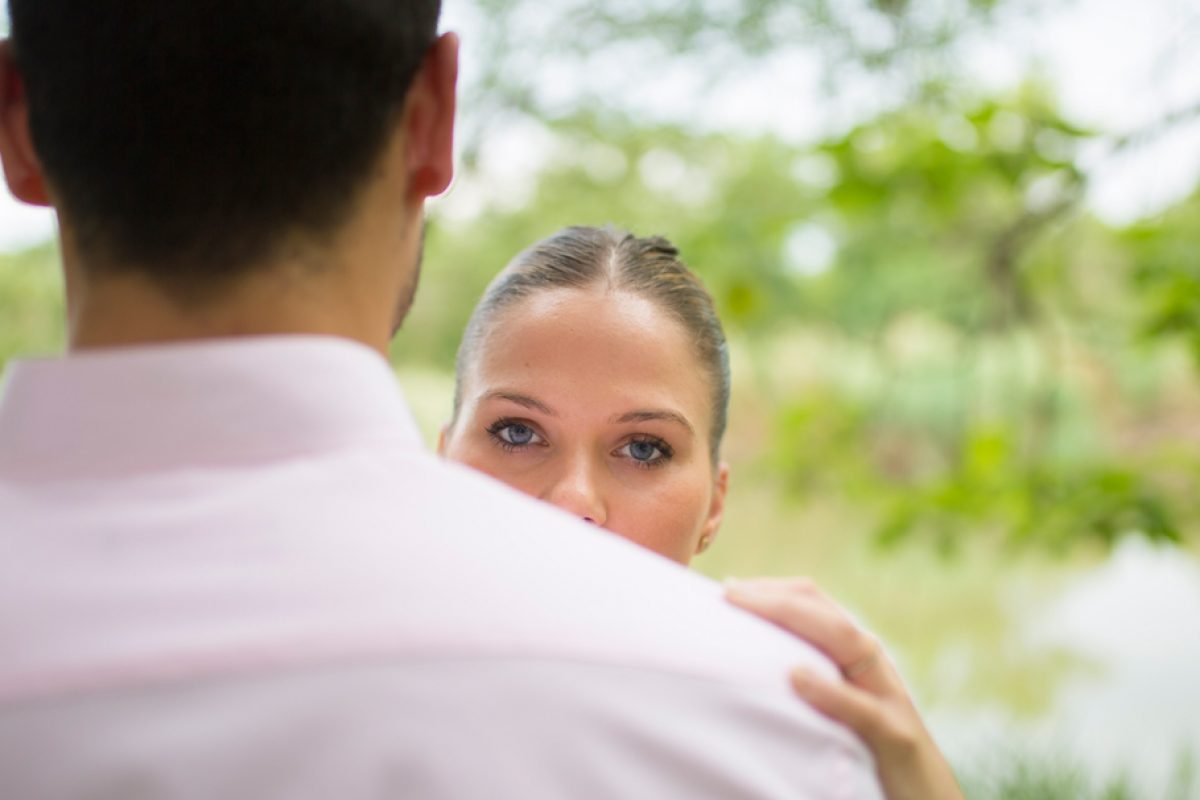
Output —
(595, 401)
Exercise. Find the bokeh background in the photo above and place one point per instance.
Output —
(956, 245)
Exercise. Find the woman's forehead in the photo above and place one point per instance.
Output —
(572, 324)
(610, 343)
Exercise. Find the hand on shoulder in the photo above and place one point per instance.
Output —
(872, 700)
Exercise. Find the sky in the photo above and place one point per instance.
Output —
(1117, 66)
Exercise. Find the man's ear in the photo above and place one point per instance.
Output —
(22, 170)
(429, 120)
(716, 509)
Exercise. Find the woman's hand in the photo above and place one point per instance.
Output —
(872, 700)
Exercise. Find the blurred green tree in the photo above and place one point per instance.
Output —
(978, 364)
(942, 257)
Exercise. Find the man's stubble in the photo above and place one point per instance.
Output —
(408, 291)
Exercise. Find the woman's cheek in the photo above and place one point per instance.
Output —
(675, 514)
(490, 459)
(518, 469)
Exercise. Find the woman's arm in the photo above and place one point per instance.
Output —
(872, 700)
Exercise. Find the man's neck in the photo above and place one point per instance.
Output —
(127, 309)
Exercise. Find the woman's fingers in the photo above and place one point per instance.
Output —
(909, 763)
(803, 610)
(853, 707)
(799, 607)
(872, 701)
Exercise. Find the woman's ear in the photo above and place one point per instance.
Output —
(441, 443)
(22, 170)
(716, 508)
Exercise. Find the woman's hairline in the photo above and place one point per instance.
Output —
(602, 284)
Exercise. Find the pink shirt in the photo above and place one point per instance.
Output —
(230, 569)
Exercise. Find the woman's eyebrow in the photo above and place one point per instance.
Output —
(521, 400)
(653, 414)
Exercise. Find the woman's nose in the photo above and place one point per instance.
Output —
(577, 491)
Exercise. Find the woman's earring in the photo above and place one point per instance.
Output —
(704, 540)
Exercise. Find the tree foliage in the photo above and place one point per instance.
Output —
(976, 354)
(605, 50)
(977, 360)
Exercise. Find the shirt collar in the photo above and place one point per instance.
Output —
(202, 403)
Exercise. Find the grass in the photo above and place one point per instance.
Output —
(1025, 775)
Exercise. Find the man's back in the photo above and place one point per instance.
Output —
(227, 569)
(231, 570)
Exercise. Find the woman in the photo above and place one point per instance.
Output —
(594, 375)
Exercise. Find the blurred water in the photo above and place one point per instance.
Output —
(1137, 619)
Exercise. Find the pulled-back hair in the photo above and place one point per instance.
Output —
(584, 257)
(187, 139)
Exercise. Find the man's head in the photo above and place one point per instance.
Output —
(191, 142)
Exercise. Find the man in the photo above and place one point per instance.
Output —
(230, 570)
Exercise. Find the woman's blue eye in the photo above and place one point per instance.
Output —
(516, 433)
(513, 435)
(647, 452)
(642, 451)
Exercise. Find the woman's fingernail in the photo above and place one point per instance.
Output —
(741, 588)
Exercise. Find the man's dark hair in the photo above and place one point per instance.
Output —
(187, 138)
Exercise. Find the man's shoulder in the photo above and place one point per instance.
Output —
(467, 562)
(131, 593)
(392, 552)
(443, 727)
